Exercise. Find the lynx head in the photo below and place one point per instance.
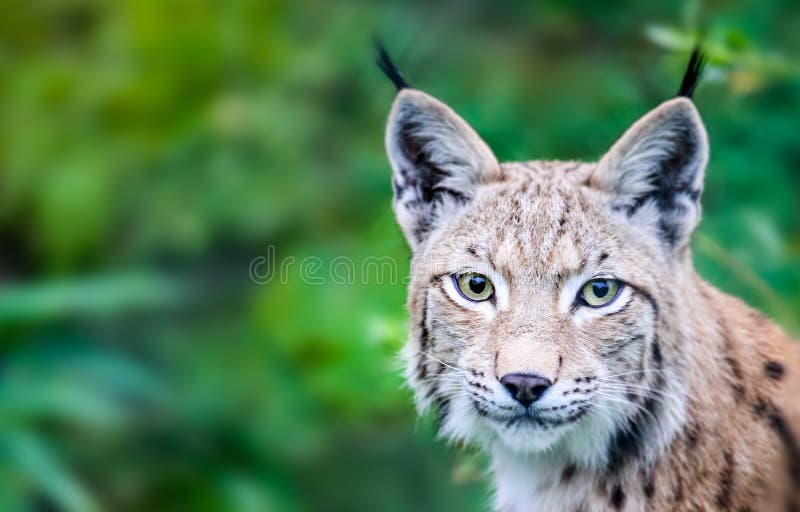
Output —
(545, 295)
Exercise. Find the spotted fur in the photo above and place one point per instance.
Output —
(675, 397)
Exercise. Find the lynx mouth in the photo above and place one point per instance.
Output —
(541, 417)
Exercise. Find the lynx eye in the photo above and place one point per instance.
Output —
(473, 286)
(597, 293)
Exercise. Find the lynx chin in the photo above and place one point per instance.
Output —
(558, 323)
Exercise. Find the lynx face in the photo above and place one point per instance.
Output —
(544, 294)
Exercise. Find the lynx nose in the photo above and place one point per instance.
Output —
(525, 387)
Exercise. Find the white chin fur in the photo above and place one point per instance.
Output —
(584, 441)
(527, 439)
(464, 424)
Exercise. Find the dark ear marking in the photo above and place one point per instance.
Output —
(694, 70)
(388, 66)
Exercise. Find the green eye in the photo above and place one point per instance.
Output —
(599, 292)
(473, 286)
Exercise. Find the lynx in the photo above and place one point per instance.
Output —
(558, 323)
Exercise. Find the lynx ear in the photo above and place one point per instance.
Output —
(655, 171)
(437, 159)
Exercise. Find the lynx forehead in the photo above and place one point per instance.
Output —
(557, 321)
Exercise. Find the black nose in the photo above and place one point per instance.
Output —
(525, 387)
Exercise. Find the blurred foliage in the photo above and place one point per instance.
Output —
(149, 150)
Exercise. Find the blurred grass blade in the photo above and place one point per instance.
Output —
(671, 38)
(81, 407)
(746, 276)
(91, 297)
(39, 465)
(86, 389)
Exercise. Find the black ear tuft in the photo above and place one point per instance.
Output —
(697, 62)
(387, 66)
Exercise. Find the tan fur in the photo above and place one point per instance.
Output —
(703, 385)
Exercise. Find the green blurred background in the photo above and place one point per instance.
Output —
(151, 150)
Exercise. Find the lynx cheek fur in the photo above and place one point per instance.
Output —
(557, 321)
